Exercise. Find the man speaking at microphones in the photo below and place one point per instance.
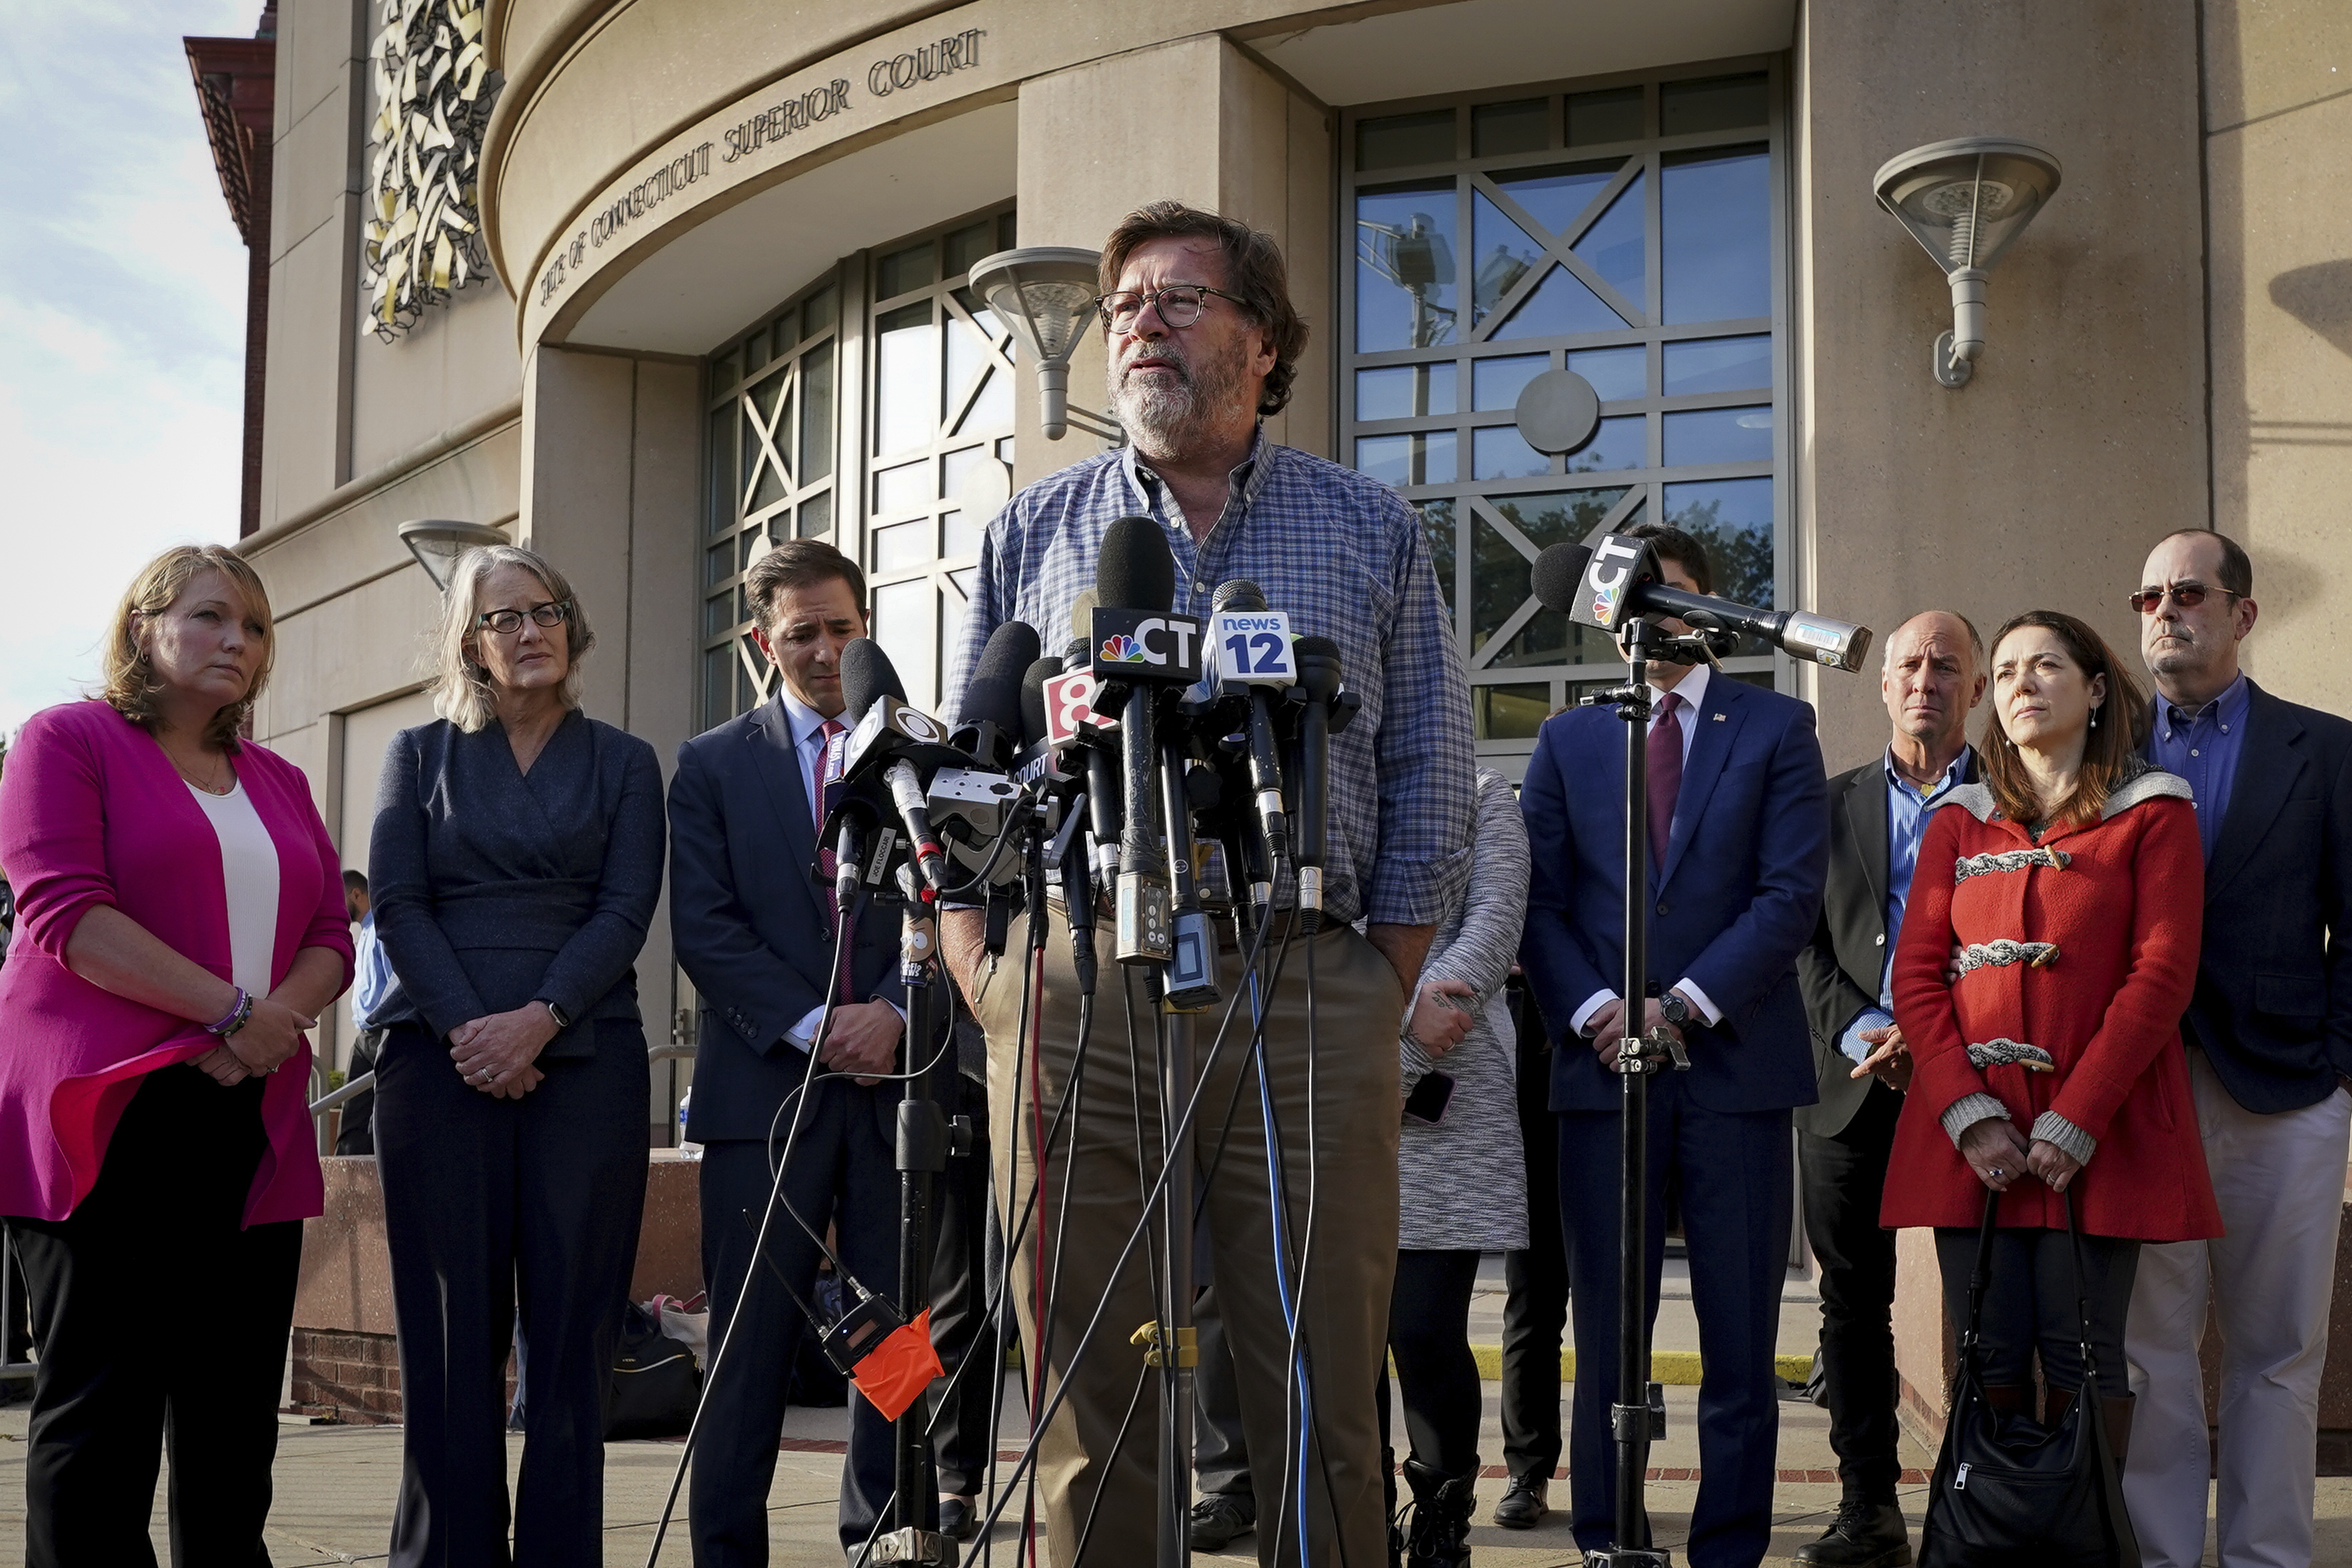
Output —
(1202, 341)
(1739, 826)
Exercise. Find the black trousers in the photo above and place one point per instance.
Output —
(491, 1206)
(1221, 1459)
(842, 1170)
(2030, 1304)
(1842, 1180)
(1429, 1335)
(119, 1379)
(1535, 1311)
(1735, 1169)
(961, 1282)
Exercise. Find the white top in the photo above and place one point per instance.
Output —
(249, 870)
(807, 726)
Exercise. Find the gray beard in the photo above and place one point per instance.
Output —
(1167, 421)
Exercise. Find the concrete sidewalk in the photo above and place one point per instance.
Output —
(335, 1484)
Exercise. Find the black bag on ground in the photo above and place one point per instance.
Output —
(655, 1381)
(2009, 1492)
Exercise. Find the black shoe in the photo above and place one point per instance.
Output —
(1220, 1517)
(1440, 1533)
(1864, 1535)
(957, 1517)
(1524, 1503)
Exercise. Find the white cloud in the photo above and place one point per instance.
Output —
(122, 325)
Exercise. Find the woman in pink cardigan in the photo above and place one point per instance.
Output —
(179, 925)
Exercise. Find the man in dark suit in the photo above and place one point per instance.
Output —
(1933, 676)
(2269, 1033)
(753, 930)
(1738, 835)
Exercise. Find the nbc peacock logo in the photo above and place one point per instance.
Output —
(1123, 649)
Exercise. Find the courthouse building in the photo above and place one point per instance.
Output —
(651, 284)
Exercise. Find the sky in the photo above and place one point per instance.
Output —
(121, 323)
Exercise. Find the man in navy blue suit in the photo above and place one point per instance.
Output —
(1739, 852)
(753, 927)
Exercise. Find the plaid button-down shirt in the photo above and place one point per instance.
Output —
(1343, 555)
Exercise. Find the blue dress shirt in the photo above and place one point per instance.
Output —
(2203, 747)
(1906, 823)
(371, 973)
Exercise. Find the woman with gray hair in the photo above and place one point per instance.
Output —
(517, 857)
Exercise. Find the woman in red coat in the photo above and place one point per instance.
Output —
(2063, 897)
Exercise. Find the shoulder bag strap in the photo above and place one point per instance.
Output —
(2090, 1404)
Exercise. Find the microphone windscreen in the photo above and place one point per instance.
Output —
(1135, 570)
(1319, 668)
(1032, 698)
(1560, 576)
(993, 695)
(1239, 593)
(1082, 615)
(866, 673)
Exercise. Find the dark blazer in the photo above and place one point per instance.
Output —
(1839, 971)
(1737, 897)
(748, 919)
(2272, 1008)
(493, 888)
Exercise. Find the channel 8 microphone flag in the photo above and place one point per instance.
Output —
(895, 1373)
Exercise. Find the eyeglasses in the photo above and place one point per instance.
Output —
(1179, 305)
(2188, 595)
(506, 623)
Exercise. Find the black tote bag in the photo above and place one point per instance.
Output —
(2009, 1492)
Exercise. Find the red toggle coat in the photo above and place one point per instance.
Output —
(2122, 902)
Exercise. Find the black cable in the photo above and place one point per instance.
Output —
(1135, 1401)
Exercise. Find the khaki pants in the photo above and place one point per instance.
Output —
(1359, 1004)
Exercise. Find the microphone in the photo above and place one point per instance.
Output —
(1135, 586)
(1611, 583)
(1254, 650)
(1077, 879)
(1315, 694)
(989, 726)
(867, 674)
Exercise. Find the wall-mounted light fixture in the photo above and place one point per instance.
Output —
(1964, 201)
(436, 543)
(1047, 293)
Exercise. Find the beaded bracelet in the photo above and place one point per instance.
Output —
(237, 1015)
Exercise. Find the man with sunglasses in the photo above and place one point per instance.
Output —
(1203, 343)
(2270, 1047)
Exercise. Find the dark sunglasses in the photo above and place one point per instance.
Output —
(2188, 595)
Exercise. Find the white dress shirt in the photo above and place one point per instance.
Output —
(808, 746)
(1692, 690)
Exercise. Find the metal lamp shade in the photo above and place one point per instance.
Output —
(1965, 200)
(1047, 292)
(437, 542)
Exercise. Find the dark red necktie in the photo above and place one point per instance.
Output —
(827, 796)
(1666, 776)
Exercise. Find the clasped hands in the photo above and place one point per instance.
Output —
(1606, 1027)
(270, 1035)
(1998, 1154)
(498, 1054)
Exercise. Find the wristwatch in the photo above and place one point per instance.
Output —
(1675, 1010)
(562, 1019)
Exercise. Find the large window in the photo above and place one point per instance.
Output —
(1626, 229)
(860, 412)
(942, 412)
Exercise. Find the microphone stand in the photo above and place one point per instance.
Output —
(1638, 1416)
(922, 1153)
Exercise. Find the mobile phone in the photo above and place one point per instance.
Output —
(1430, 1097)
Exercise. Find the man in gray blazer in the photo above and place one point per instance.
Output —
(1933, 676)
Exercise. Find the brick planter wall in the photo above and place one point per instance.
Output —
(345, 1359)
